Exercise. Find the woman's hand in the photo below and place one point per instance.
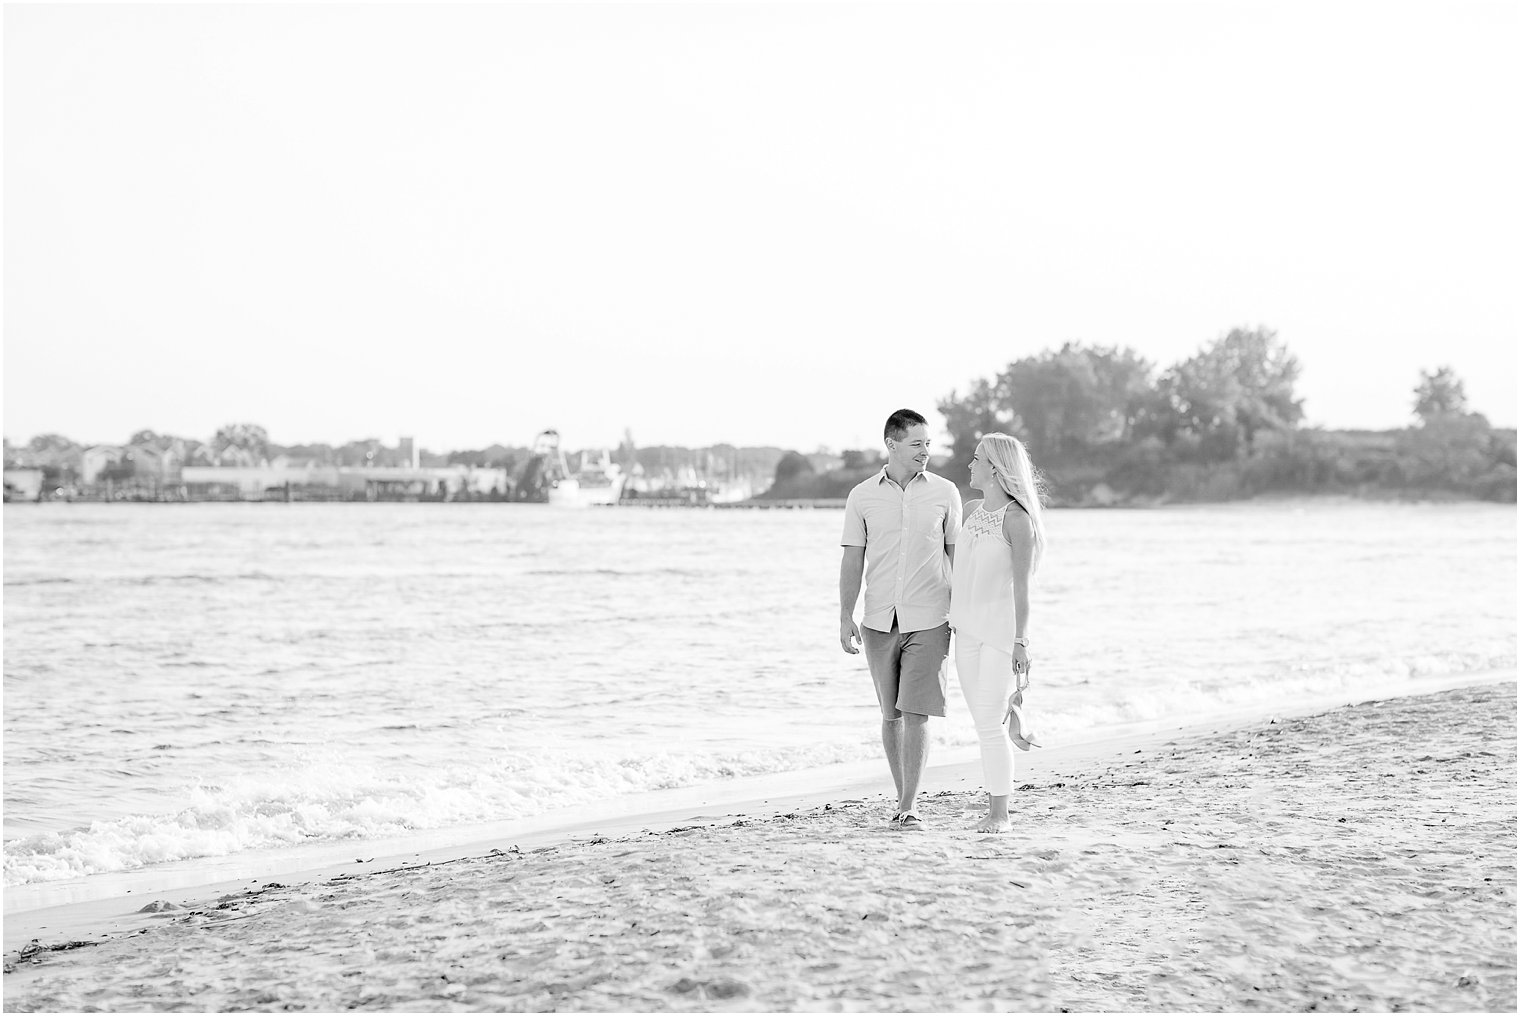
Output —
(1021, 667)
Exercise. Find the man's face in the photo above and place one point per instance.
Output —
(910, 453)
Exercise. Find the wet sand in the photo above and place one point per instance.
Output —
(1361, 858)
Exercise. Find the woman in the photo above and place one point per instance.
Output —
(1000, 545)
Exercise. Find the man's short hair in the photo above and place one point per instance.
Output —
(899, 422)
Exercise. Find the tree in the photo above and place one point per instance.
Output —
(363, 452)
(1065, 403)
(1451, 450)
(320, 454)
(51, 443)
(1439, 394)
(1240, 384)
(1452, 447)
(861, 458)
(791, 466)
(1075, 399)
(57, 455)
(967, 419)
(249, 438)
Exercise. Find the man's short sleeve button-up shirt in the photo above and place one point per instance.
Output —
(905, 532)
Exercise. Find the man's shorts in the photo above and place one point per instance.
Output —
(908, 668)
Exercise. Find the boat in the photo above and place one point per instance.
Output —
(547, 476)
(598, 481)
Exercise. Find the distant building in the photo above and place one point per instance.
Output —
(64, 460)
(23, 484)
(486, 481)
(358, 483)
(236, 456)
(97, 459)
(159, 462)
(253, 482)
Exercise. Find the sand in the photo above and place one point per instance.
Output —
(1362, 858)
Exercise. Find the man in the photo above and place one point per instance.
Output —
(899, 530)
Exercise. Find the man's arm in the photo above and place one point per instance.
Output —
(852, 565)
(953, 517)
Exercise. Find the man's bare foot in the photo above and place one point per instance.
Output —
(992, 825)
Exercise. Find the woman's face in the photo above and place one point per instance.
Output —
(981, 471)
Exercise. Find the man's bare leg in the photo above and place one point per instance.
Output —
(915, 755)
(892, 744)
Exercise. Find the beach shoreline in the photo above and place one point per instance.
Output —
(105, 905)
(1162, 870)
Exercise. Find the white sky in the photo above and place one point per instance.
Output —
(753, 223)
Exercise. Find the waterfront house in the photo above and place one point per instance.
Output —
(236, 456)
(23, 484)
(97, 459)
(158, 461)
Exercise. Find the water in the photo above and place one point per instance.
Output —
(195, 681)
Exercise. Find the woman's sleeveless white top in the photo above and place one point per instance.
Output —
(981, 585)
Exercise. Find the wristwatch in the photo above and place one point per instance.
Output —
(1022, 640)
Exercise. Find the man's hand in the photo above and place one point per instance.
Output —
(849, 635)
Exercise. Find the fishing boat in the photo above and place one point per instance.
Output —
(547, 476)
(599, 480)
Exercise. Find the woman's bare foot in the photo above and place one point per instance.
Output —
(994, 825)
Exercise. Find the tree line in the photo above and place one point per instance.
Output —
(1105, 427)
(249, 444)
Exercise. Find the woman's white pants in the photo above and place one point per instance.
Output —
(986, 679)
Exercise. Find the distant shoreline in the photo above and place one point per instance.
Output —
(836, 503)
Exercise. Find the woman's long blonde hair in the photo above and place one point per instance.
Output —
(1014, 472)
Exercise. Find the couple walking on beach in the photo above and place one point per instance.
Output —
(926, 574)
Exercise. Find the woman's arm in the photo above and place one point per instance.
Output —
(1019, 532)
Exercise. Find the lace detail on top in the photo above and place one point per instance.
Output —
(981, 597)
(985, 523)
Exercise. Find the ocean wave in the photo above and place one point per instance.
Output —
(335, 802)
(1083, 709)
(195, 578)
(619, 572)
